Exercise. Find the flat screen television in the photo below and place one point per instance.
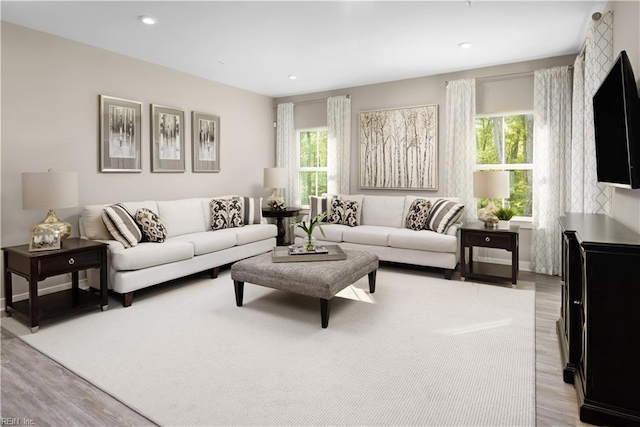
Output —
(616, 116)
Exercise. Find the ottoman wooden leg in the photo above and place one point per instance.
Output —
(325, 305)
(239, 287)
(372, 281)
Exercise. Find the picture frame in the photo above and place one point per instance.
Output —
(120, 135)
(167, 139)
(399, 148)
(44, 241)
(205, 142)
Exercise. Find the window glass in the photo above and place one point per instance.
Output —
(312, 170)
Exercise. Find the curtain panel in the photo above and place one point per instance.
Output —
(339, 144)
(287, 151)
(460, 147)
(551, 142)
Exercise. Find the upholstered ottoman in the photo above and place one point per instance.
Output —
(318, 279)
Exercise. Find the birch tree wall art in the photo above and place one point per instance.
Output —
(399, 148)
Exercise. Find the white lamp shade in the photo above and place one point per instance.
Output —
(49, 190)
(491, 185)
(275, 177)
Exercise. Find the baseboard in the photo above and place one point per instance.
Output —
(82, 283)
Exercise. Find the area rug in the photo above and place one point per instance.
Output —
(420, 351)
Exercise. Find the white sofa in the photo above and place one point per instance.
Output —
(381, 230)
(191, 246)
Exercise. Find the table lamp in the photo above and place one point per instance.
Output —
(488, 184)
(275, 178)
(49, 190)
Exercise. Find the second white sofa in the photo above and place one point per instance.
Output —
(382, 230)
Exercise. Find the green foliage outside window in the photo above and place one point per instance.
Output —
(313, 164)
(508, 140)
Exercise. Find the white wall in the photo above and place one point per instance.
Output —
(50, 89)
(626, 36)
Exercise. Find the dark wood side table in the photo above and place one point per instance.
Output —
(280, 216)
(476, 234)
(74, 255)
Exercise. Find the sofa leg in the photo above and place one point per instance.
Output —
(127, 299)
(214, 272)
(448, 273)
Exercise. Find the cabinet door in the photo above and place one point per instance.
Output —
(574, 282)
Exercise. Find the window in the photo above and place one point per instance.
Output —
(312, 170)
(506, 143)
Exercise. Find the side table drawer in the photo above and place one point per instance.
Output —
(488, 240)
(66, 262)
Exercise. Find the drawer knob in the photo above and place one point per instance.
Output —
(579, 303)
(487, 239)
(71, 261)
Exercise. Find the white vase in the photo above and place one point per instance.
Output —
(504, 225)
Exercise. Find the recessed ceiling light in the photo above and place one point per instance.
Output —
(148, 20)
(292, 77)
(464, 45)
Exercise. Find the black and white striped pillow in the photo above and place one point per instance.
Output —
(318, 205)
(252, 210)
(443, 214)
(121, 225)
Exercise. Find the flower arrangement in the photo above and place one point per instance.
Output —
(309, 227)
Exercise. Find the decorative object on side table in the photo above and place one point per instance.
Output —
(49, 190)
(276, 178)
(45, 241)
(504, 215)
(490, 184)
(120, 135)
(205, 142)
(310, 242)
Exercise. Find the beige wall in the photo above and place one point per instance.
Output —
(626, 36)
(505, 88)
(50, 89)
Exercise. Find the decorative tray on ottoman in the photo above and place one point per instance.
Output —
(297, 254)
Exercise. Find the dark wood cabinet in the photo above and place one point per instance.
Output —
(599, 325)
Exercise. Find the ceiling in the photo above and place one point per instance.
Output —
(327, 45)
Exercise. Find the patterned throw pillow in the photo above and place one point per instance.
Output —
(443, 214)
(252, 210)
(153, 229)
(418, 214)
(121, 225)
(344, 212)
(226, 213)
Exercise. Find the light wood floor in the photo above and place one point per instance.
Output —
(36, 388)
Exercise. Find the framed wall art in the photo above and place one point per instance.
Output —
(167, 139)
(120, 135)
(205, 142)
(399, 148)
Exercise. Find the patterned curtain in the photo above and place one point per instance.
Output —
(460, 147)
(590, 68)
(287, 152)
(339, 144)
(552, 139)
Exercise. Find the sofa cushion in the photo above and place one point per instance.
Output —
(385, 211)
(147, 254)
(368, 235)
(332, 232)
(418, 214)
(344, 212)
(205, 242)
(408, 201)
(152, 227)
(121, 225)
(443, 214)
(181, 216)
(255, 233)
(423, 240)
(226, 213)
(355, 198)
(251, 210)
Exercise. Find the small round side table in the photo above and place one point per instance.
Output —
(280, 215)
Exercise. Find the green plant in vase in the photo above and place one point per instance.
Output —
(504, 215)
(308, 228)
